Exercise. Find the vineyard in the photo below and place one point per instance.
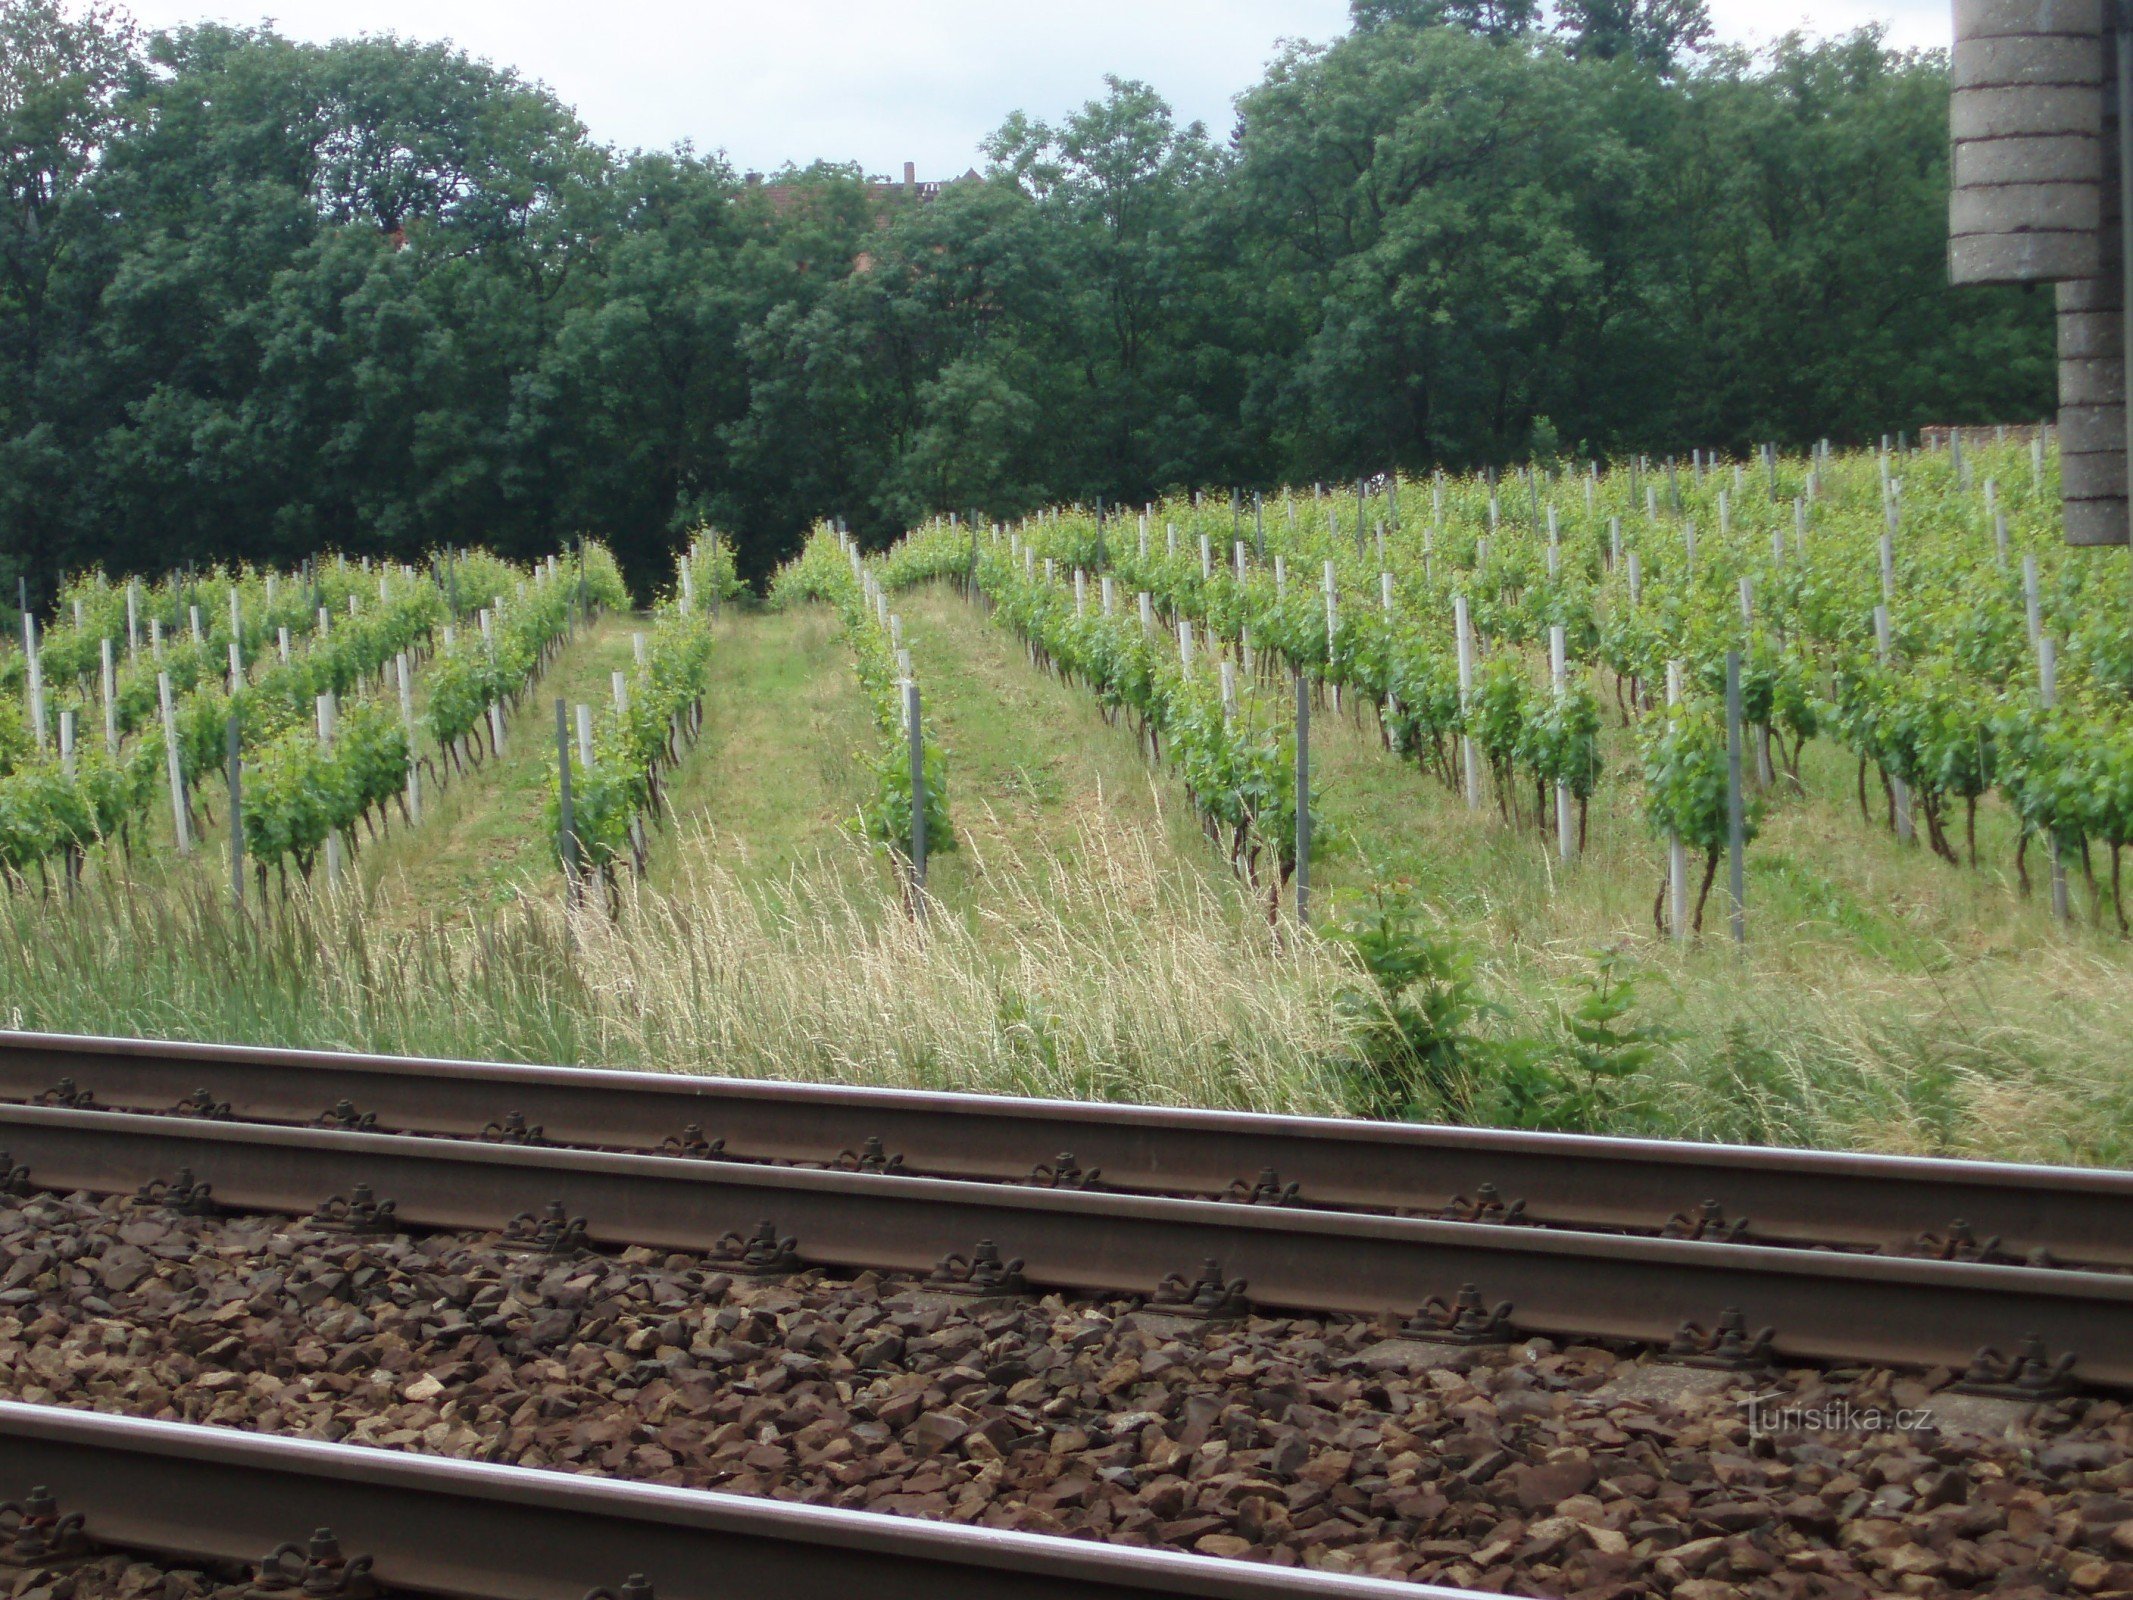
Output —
(1512, 861)
(1917, 611)
(298, 693)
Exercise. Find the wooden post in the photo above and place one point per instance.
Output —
(175, 767)
(1566, 832)
(236, 774)
(1303, 800)
(1736, 817)
(915, 726)
(1677, 853)
(1468, 756)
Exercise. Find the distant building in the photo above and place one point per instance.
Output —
(784, 196)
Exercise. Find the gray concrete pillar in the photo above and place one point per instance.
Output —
(2025, 119)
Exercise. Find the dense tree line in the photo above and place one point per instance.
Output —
(259, 298)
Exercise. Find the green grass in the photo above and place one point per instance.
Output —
(482, 836)
(774, 778)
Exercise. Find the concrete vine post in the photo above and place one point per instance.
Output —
(915, 725)
(1303, 800)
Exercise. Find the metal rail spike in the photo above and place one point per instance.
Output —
(1487, 1204)
(553, 1233)
(65, 1095)
(512, 1130)
(1464, 1319)
(635, 1587)
(690, 1142)
(2029, 1373)
(1208, 1298)
(982, 1272)
(1064, 1172)
(1959, 1243)
(358, 1211)
(1729, 1346)
(37, 1534)
(314, 1569)
(204, 1105)
(14, 1175)
(762, 1254)
(870, 1157)
(342, 1117)
(1265, 1190)
(1709, 1225)
(182, 1194)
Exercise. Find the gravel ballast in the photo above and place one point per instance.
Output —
(1339, 1443)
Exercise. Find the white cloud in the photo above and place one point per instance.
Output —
(856, 80)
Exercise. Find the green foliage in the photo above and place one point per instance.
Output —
(634, 745)
(1417, 1053)
(266, 297)
(1685, 764)
(828, 571)
(1575, 1084)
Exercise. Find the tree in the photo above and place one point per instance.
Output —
(1655, 33)
(1491, 19)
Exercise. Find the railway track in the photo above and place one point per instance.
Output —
(1964, 1211)
(482, 1532)
(436, 1289)
(2041, 1327)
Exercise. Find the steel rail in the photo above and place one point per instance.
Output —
(480, 1532)
(1823, 1305)
(1574, 1181)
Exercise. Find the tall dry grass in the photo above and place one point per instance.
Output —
(1086, 973)
(1095, 970)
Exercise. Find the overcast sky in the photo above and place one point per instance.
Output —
(909, 80)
